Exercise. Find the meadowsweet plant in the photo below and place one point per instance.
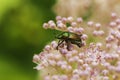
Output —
(97, 59)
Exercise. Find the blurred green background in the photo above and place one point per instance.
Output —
(22, 36)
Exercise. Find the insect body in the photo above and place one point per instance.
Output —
(66, 37)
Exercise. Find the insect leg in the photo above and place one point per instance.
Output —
(68, 43)
(59, 43)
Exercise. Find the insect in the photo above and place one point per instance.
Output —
(66, 37)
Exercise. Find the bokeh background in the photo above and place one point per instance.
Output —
(22, 35)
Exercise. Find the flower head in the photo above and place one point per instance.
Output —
(96, 60)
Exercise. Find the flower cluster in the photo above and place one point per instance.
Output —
(90, 9)
(61, 25)
(98, 60)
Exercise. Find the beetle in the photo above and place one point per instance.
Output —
(69, 38)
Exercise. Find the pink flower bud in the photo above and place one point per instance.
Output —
(105, 72)
(64, 20)
(58, 22)
(79, 20)
(64, 51)
(58, 18)
(105, 78)
(118, 27)
(47, 78)
(70, 19)
(54, 44)
(106, 64)
(73, 24)
(118, 36)
(95, 33)
(109, 39)
(118, 21)
(80, 61)
(113, 15)
(75, 58)
(90, 23)
(84, 36)
(55, 77)
(97, 26)
(52, 25)
(71, 60)
(59, 63)
(60, 25)
(64, 77)
(76, 71)
(69, 55)
(64, 66)
(57, 57)
(81, 55)
(99, 44)
(52, 62)
(85, 65)
(118, 69)
(47, 48)
(39, 67)
(75, 77)
(50, 22)
(78, 30)
(70, 29)
(69, 68)
(45, 26)
(113, 24)
(36, 58)
(101, 33)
